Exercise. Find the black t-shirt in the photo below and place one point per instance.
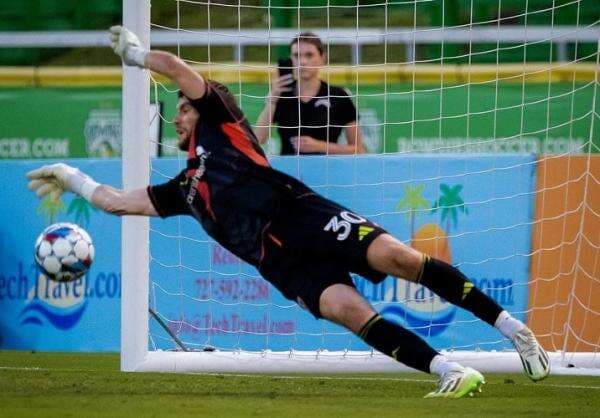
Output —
(228, 185)
(323, 117)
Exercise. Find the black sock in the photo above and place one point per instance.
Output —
(398, 343)
(450, 284)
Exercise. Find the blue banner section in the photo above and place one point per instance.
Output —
(39, 314)
(474, 211)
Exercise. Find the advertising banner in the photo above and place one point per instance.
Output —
(472, 211)
(40, 314)
(64, 123)
(473, 118)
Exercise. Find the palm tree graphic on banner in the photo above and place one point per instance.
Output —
(431, 238)
(413, 202)
(81, 210)
(50, 207)
(450, 203)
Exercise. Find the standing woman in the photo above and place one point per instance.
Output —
(310, 113)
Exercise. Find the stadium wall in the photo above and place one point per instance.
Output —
(532, 108)
(36, 314)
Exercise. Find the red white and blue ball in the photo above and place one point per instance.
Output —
(64, 252)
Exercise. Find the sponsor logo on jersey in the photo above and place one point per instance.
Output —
(323, 102)
(363, 231)
(468, 286)
(202, 156)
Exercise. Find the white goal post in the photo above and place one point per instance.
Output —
(136, 286)
(136, 173)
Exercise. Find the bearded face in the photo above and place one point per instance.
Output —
(186, 118)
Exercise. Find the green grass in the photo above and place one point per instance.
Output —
(89, 385)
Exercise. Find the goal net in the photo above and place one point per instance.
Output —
(482, 129)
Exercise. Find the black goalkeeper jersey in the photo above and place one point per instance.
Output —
(228, 184)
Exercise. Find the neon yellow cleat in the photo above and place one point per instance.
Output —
(458, 383)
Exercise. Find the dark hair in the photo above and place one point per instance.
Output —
(180, 95)
(309, 38)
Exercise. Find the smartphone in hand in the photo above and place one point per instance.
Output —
(285, 66)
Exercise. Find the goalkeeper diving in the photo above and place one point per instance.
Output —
(304, 244)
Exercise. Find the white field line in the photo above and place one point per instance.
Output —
(357, 378)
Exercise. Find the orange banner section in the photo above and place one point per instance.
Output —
(565, 268)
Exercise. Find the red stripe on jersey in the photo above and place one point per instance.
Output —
(192, 152)
(262, 242)
(275, 240)
(204, 191)
(240, 140)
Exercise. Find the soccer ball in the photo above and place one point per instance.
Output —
(64, 252)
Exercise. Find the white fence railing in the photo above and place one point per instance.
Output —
(560, 36)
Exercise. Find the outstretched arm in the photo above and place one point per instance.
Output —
(55, 179)
(127, 45)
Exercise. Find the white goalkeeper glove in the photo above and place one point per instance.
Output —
(56, 178)
(127, 45)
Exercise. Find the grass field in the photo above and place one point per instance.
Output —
(89, 385)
